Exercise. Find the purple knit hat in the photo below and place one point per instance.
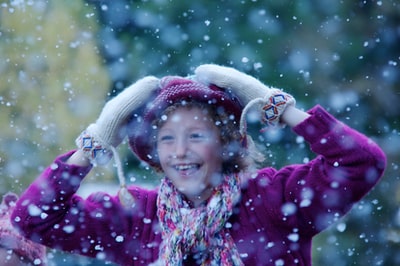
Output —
(12, 240)
(174, 89)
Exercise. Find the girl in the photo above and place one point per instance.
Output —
(212, 207)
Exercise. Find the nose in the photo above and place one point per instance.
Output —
(181, 148)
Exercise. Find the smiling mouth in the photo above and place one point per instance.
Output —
(187, 167)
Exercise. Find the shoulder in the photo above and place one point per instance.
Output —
(270, 185)
(257, 183)
(265, 177)
(143, 194)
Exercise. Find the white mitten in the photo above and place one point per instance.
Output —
(244, 86)
(109, 130)
(250, 91)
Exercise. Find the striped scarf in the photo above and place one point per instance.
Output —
(199, 232)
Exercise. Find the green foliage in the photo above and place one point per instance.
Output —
(52, 84)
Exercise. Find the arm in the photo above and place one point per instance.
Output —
(347, 166)
(78, 158)
(49, 212)
(293, 116)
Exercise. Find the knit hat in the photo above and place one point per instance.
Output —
(175, 89)
(10, 239)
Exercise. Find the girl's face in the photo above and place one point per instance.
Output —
(189, 150)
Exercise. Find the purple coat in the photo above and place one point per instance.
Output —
(279, 212)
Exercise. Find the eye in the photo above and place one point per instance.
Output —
(165, 138)
(198, 136)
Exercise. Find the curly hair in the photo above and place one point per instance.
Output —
(234, 154)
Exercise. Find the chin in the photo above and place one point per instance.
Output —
(192, 190)
(195, 191)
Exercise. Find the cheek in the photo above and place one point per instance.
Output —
(213, 153)
(161, 153)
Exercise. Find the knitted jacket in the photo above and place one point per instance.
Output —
(273, 224)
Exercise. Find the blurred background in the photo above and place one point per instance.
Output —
(60, 61)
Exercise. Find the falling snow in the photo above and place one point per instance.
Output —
(54, 83)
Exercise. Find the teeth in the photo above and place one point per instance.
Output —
(185, 167)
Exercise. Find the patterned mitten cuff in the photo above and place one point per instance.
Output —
(275, 106)
(94, 150)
